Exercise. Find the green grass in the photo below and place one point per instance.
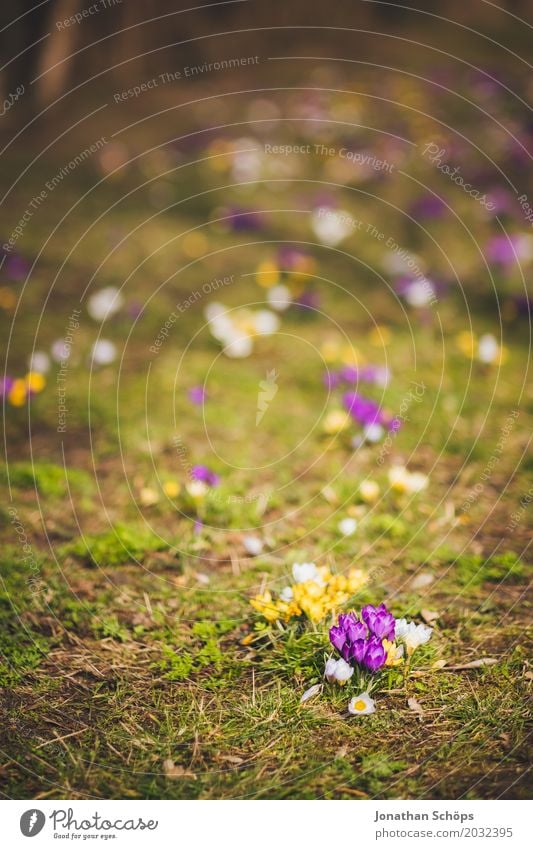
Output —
(135, 651)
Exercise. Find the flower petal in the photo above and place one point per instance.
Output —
(313, 691)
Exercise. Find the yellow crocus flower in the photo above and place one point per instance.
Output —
(17, 393)
(394, 653)
(265, 606)
(35, 381)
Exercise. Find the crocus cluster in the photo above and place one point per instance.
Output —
(402, 481)
(360, 641)
(366, 644)
(205, 475)
(285, 278)
(364, 410)
(350, 374)
(18, 390)
(417, 291)
(201, 480)
(314, 594)
(236, 329)
(487, 350)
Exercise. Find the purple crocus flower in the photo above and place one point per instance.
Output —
(337, 638)
(347, 619)
(339, 634)
(135, 309)
(307, 300)
(428, 206)
(375, 655)
(501, 200)
(356, 630)
(504, 250)
(16, 267)
(288, 257)
(364, 410)
(380, 375)
(205, 475)
(523, 304)
(356, 651)
(380, 622)
(349, 637)
(350, 374)
(5, 386)
(243, 220)
(197, 395)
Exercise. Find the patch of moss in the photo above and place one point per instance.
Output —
(473, 569)
(122, 543)
(377, 769)
(22, 647)
(389, 525)
(49, 479)
(175, 665)
(109, 626)
(506, 567)
(204, 651)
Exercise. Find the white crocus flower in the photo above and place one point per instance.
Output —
(401, 480)
(331, 226)
(400, 628)
(253, 545)
(337, 671)
(221, 323)
(373, 432)
(60, 350)
(104, 303)
(39, 361)
(246, 164)
(411, 635)
(103, 352)
(488, 349)
(382, 376)
(361, 705)
(417, 481)
(279, 297)
(286, 594)
(266, 322)
(420, 293)
(235, 329)
(302, 572)
(369, 491)
(222, 328)
(197, 490)
(238, 347)
(398, 478)
(347, 526)
(213, 310)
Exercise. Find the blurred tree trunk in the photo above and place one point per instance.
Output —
(18, 32)
(55, 58)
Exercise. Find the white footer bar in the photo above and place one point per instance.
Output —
(267, 824)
